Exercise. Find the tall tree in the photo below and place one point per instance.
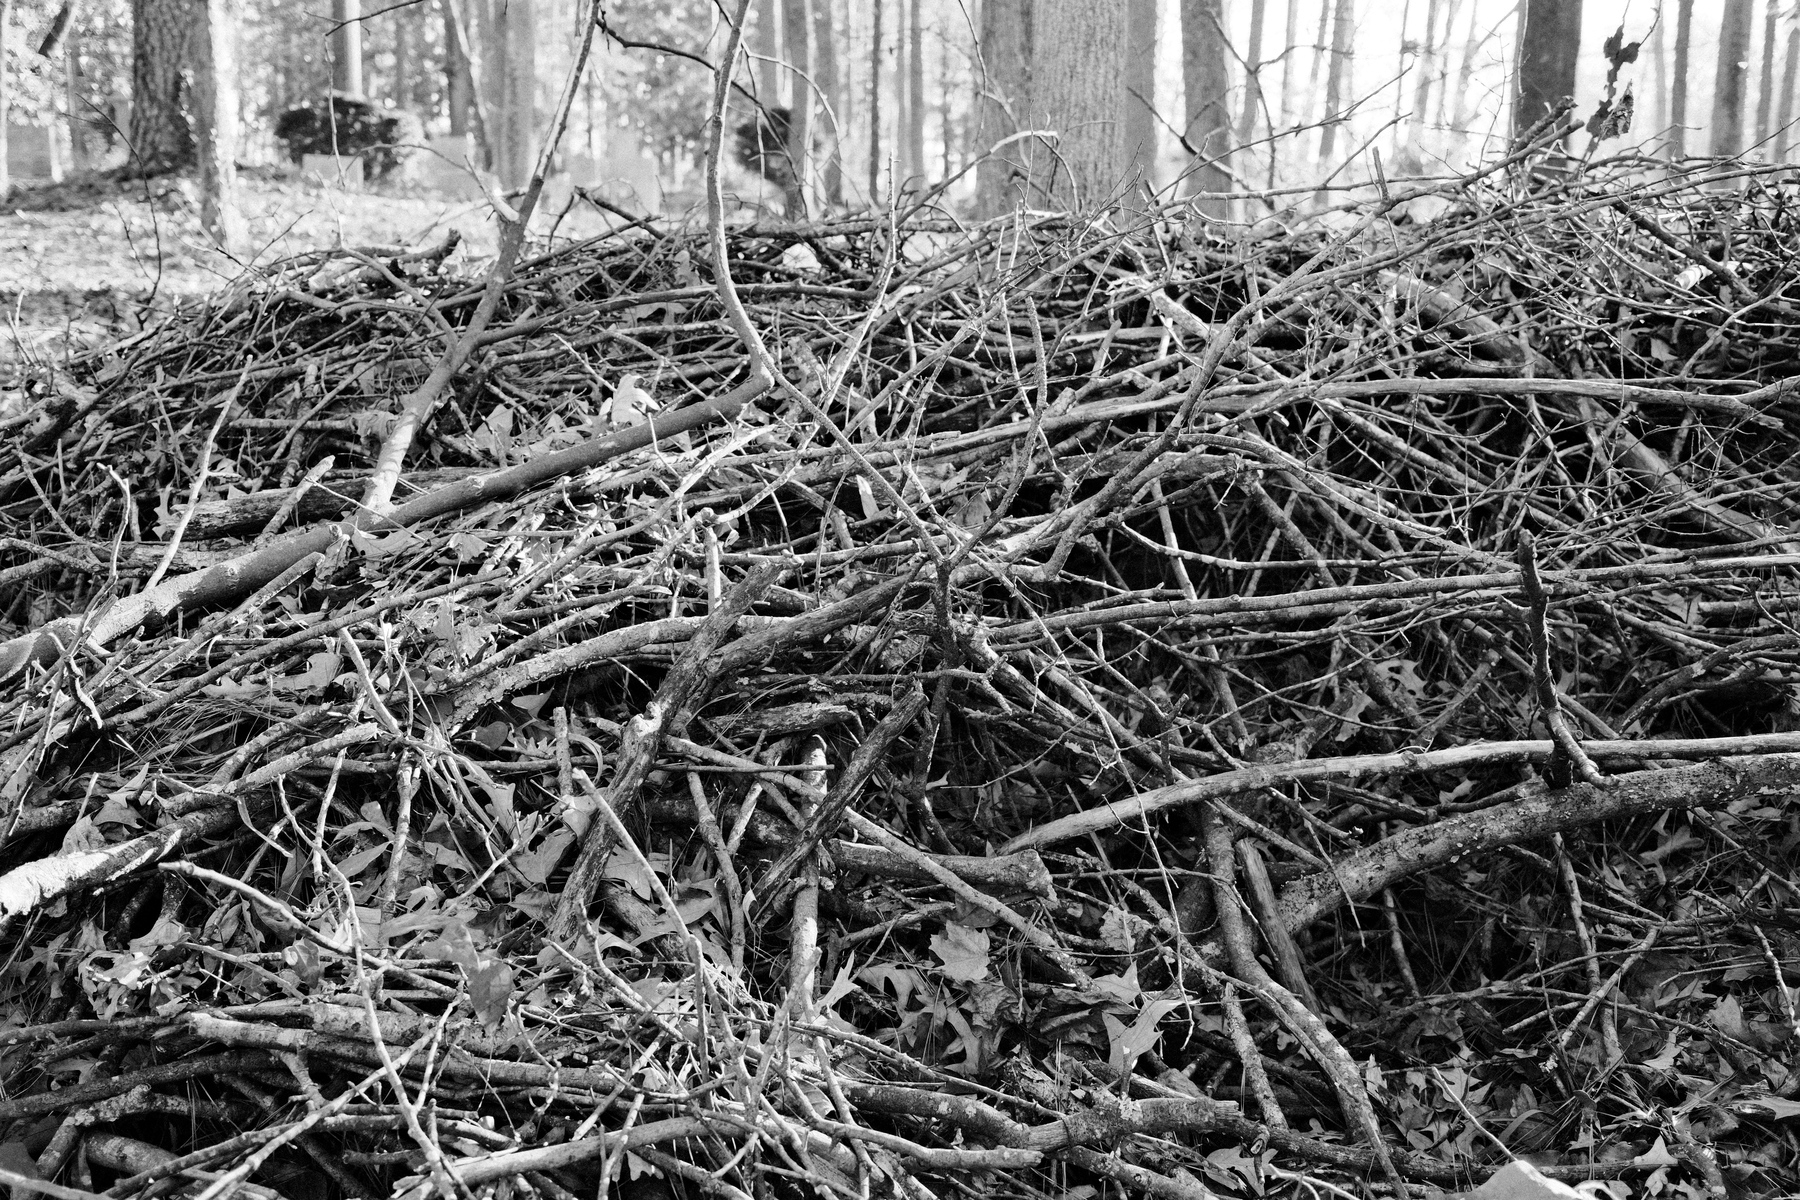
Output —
(1253, 64)
(161, 139)
(915, 92)
(765, 47)
(216, 120)
(1426, 66)
(795, 31)
(875, 105)
(825, 72)
(346, 47)
(1003, 83)
(1678, 79)
(401, 19)
(1765, 99)
(1730, 78)
(1081, 45)
(1139, 118)
(1785, 114)
(1549, 42)
(1207, 93)
(1337, 75)
(516, 60)
(459, 85)
(1291, 51)
(1659, 76)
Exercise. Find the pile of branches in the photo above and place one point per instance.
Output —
(1046, 708)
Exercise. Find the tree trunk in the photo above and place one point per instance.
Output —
(459, 88)
(77, 110)
(160, 137)
(765, 46)
(1003, 80)
(515, 61)
(1459, 120)
(1081, 45)
(1207, 115)
(825, 74)
(216, 121)
(1549, 41)
(1730, 79)
(1337, 77)
(346, 47)
(1253, 97)
(1659, 78)
(915, 93)
(1291, 42)
(1139, 118)
(1785, 113)
(1684, 36)
(1426, 66)
(875, 106)
(403, 54)
(795, 22)
(1765, 100)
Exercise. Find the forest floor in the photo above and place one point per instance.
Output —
(90, 257)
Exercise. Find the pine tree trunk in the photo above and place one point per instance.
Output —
(1678, 85)
(1292, 52)
(1549, 41)
(1730, 79)
(216, 121)
(915, 93)
(346, 47)
(825, 73)
(1003, 80)
(1785, 112)
(1253, 97)
(516, 64)
(1207, 113)
(795, 32)
(875, 106)
(459, 88)
(1337, 77)
(161, 139)
(1765, 100)
(1139, 118)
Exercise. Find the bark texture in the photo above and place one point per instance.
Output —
(825, 74)
(1784, 118)
(161, 138)
(1080, 45)
(795, 34)
(459, 89)
(216, 121)
(1139, 119)
(1731, 80)
(1337, 75)
(1207, 109)
(1678, 79)
(1549, 43)
(915, 92)
(1003, 80)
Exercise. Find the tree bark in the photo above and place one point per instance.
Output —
(403, 55)
(1139, 118)
(1765, 99)
(825, 74)
(1337, 76)
(1080, 45)
(216, 121)
(1207, 114)
(875, 105)
(915, 93)
(1253, 97)
(1426, 66)
(765, 45)
(161, 139)
(1785, 114)
(516, 23)
(1291, 42)
(795, 30)
(1659, 78)
(459, 88)
(1678, 81)
(1730, 80)
(346, 47)
(1003, 81)
(1549, 41)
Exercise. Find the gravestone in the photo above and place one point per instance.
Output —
(33, 152)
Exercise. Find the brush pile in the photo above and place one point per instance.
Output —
(1137, 708)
